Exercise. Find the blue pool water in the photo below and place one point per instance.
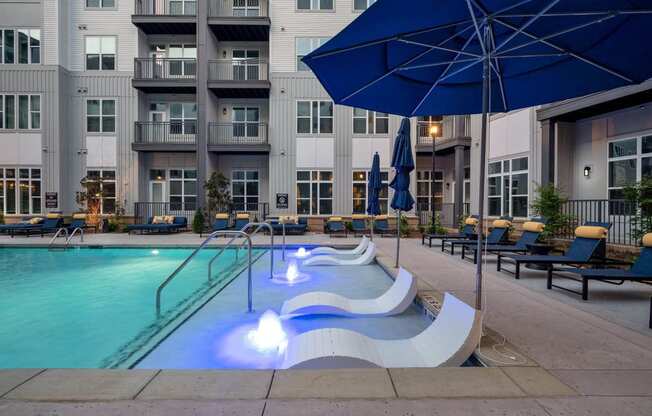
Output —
(93, 307)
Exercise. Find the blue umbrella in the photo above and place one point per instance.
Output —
(403, 163)
(440, 57)
(374, 187)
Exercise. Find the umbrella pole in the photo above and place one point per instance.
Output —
(483, 159)
(371, 230)
(398, 235)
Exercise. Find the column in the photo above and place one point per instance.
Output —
(202, 98)
(459, 181)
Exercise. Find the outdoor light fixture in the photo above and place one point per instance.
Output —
(224, 110)
(587, 171)
(435, 130)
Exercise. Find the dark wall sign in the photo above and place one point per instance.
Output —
(51, 200)
(282, 201)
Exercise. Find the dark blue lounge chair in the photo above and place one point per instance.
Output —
(335, 226)
(583, 250)
(640, 271)
(47, 226)
(498, 235)
(221, 222)
(467, 233)
(241, 220)
(178, 224)
(77, 223)
(529, 236)
(291, 228)
(381, 226)
(359, 225)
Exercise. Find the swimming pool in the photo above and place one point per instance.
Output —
(95, 308)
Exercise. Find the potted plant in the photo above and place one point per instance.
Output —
(548, 205)
(198, 222)
(435, 226)
(89, 200)
(218, 193)
(639, 200)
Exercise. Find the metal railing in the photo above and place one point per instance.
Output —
(165, 68)
(73, 233)
(165, 132)
(213, 235)
(446, 214)
(51, 245)
(145, 210)
(452, 126)
(237, 70)
(618, 212)
(237, 133)
(238, 8)
(166, 8)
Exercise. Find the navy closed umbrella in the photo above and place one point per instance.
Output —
(403, 164)
(374, 187)
(480, 56)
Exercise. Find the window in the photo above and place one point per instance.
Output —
(183, 189)
(424, 193)
(304, 46)
(360, 191)
(314, 117)
(630, 160)
(100, 116)
(24, 110)
(362, 4)
(101, 187)
(245, 122)
(314, 192)
(183, 60)
(244, 190)
(246, 8)
(183, 118)
(100, 53)
(20, 46)
(508, 187)
(183, 7)
(246, 65)
(370, 122)
(100, 4)
(20, 191)
(315, 4)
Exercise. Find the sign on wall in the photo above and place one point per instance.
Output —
(51, 200)
(282, 201)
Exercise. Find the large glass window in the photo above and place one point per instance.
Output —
(100, 53)
(362, 4)
(314, 192)
(370, 122)
(246, 64)
(20, 191)
(183, 60)
(100, 116)
(360, 195)
(183, 189)
(246, 8)
(314, 117)
(315, 4)
(183, 118)
(246, 121)
(183, 7)
(245, 189)
(304, 46)
(424, 190)
(630, 160)
(100, 4)
(20, 111)
(20, 46)
(101, 187)
(508, 187)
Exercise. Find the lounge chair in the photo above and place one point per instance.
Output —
(359, 224)
(160, 224)
(241, 220)
(589, 247)
(467, 233)
(394, 301)
(293, 225)
(38, 225)
(335, 226)
(330, 251)
(498, 235)
(362, 260)
(381, 226)
(78, 221)
(531, 232)
(640, 271)
(448, 341)
(25, 223)
(221, 222)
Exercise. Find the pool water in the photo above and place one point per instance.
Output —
(91, 308)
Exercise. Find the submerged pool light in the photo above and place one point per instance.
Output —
(291, 276)
(302, 253)
(155, 252)
(269, 336)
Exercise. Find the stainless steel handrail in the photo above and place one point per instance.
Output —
(259, 226)
(81, 234)
(56, 235)
(193, 254)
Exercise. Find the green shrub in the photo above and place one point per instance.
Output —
(198, 222)
(2, 218)
(435, 227)
(404, 226)
(639, 197)
(548, 204)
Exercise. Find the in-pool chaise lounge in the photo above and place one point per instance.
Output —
(393, 302)
(498, 235)
(362, 260)
(330, 251)
(448, 341)
(531, 232)
(468, 232)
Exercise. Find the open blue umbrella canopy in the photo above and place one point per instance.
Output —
(403, 163)
(374, 186)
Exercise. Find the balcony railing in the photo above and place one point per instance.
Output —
(165, 68)
(453, 126)
(237, 70)
(166, 132)
(166, 7)
(238, 8)
(237, 133)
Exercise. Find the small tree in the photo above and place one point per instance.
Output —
(639, 198)
(435, 227)
(2, 218)
(198, 222)
(218, 193)
(548, 204)
(404, 226)
(89, 199)
(116, 221)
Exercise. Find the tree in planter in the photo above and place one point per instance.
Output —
(89, 199)
(639, 197)
(218, 193)
(548, 204)
(116, 221)
(198, 222)
(435, 227)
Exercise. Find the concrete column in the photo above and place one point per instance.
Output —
(459, 181)
(202, 98)
(547, 155)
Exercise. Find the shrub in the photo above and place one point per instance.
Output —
(2, 218)
(404, 226)
(548, 204)
(198, 222)
(639, 196)
(435, 226)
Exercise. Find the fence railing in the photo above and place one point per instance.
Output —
(237, 133)
(446, 214)
(238, 8)
(237, 70)
(165, 132)
(145, 210)
(452, 126)
(619, 213)
(165, 68)
(166, 7)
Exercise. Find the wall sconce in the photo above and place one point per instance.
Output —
(448, 185)
(587, 171)
(224, 111)
(224, 54)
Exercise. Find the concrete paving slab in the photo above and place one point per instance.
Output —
(83, 384)
(135, 408)
(495, 351)
(9, 379)
(329, 384)
(208, 385)
(608, 382)
(453, 382)
(537, 382)
(598, 406)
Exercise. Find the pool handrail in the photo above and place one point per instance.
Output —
(56, 235)
(259, 225)
(81, 234)
(208, 239)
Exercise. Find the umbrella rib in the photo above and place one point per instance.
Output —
(571, 53)
(477, 28)
(571, 14)
(421, 66)
(526, 25)
(496, 68)
(427, 45)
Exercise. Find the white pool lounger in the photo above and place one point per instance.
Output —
(396, 300)
(335, 252)
(448, 341)
(362, 260)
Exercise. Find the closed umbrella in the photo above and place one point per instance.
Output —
(480, 56)
(374, 187)
(403, 164)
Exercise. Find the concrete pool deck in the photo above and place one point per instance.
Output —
(570, 358)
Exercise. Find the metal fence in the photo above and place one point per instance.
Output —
(617, 212)
(165, 68)
(166, 7)
(237, 133)
(145, 210)
(446, 215)
(238, 8)
(237, 70)
(165, 132)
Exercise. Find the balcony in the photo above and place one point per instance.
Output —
(165, 16)
(456, 132)
(239, 78)
(165, 136)
(160, 75)
(239, 20)
(238, 137)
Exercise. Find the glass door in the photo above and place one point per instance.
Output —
(157, 192)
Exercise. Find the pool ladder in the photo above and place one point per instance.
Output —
(69, 237)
